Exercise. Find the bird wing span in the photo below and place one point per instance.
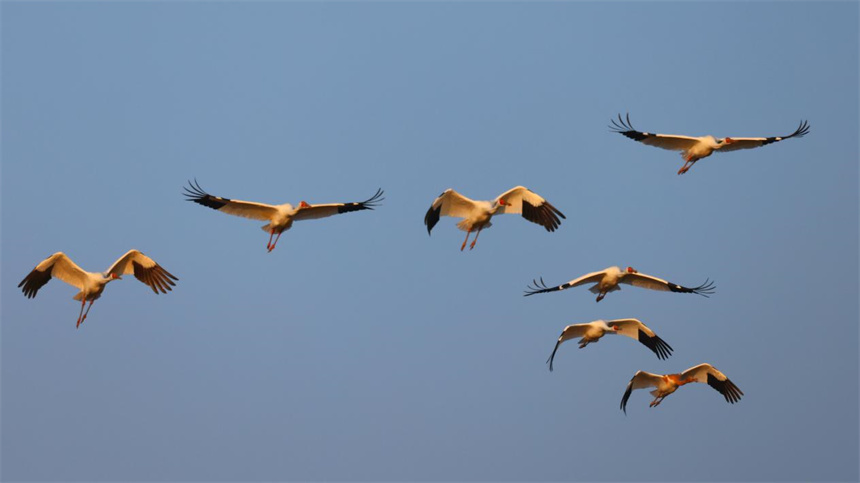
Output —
(640, 380)
(313, 212)
(672, 142)
(57, 265)
(654, 283)
(245, 209)
(569, 332)
(540, 287)
(635, 329)
(749, 143)
(144, 269)
(449, 203)
(708, 374)
(532, 206)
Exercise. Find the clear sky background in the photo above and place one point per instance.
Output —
(363, 349)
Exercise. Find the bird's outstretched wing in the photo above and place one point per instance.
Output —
(569, 332)
(640, 380)
(144, 269)
(57, 265)
(541, 287)
(671, 142)
(449, 203)
(532, 206)
(245, 209)
(635, 329)
(647, 281)
(708, 374)
(313, 212)
(748, 143)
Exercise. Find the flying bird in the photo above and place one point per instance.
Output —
(477, 214)
(695, 148)
(607, 280)
(280, 217)
(669, 383)
(593, 331)
(92, 284)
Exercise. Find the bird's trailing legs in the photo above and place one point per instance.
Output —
(657, 400)
(686, 167)
(463, 246)
(600, 296)
(83, 315)
(271, 246)
(472, 246)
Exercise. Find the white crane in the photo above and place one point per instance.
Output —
(669, 383)
(607, 280)
(92, 284)
(280, 217)
(593, 331)
(477, 214)
(695, 148)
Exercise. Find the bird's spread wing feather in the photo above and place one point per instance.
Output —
(57, 265)
(313, 212)
(749, 143)
(640, 380)
(672, 142)
(245, 209)
(533, 207)
(541, 287)
(654, 283)
(144, 269)
(708, 374)
(635, 329)
(449, 203)
(569, 332)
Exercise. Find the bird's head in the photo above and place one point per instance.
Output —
(631, 270)
(502, 202)
(304, 204)
(616, 328)
(112, 276)
(728, 141)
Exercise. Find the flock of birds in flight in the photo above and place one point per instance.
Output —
(476, 216)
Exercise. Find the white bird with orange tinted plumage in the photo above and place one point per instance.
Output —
(669, 383)
(695, 148)
(592, 332)
(607, 280)
(280, 217)
(477, 214)
(92, 284)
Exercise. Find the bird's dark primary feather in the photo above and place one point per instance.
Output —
(705, 290)
(367, 204)
(196, 194)
(540, 287)
(156, 277)
(544, 214)
(656, 344)
(627, 395)
(34, 281)
(432, 217)
(727, 388)
(801, 131)
(626, 128)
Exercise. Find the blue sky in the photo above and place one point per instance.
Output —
(361, 348)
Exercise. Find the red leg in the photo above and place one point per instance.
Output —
(276, 242)
(81, 314)
(88, 310)
(462, 247)
(472, 246)
(269, 245)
